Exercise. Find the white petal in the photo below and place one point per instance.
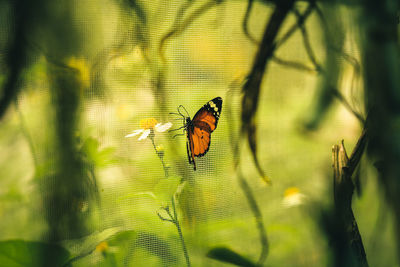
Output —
(293, 200)
(135, 132)
(145, 134)
(162, 127)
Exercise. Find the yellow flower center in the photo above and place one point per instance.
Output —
(148, 123)
(291, 191)
(102, 246)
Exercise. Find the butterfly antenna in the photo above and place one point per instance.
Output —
(180, 111)
(178, 114)
(180, 106)
(177, 135)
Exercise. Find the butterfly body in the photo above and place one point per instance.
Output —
(199, 129)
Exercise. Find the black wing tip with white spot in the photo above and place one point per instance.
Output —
(215, 106)
(217, 101)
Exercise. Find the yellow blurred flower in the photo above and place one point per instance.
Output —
(149, 125)
(80, 64)
(239, 75)
(102, 247)
(291, 191)
(123, 111)
(160, 148)
(137, 54)
(292, 197)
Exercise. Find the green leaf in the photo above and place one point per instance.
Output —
(20, 253)
(100, 157)
(227, 255)
(136, 195)
(166, 188)
(114, 237)
(86, 245)
(90, 146)
(106, 157)
(122, 238)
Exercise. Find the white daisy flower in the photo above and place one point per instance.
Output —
(292, 197)
(148, 126)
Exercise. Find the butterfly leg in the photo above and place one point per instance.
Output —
(176, 129)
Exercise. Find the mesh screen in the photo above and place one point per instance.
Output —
(79, 76)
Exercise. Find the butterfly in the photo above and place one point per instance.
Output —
(199, 129)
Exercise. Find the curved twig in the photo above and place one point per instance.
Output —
(245, 187)
(252, 86)
(301, 18)
(246, 21)
(180, 27)
(347, 105)
(293, 64)
(306, 40)
(300, 21)
(258, 217)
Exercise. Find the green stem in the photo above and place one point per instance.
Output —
(178, 227)
(174, 216)
(160, 157)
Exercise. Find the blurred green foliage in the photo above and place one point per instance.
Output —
(296, 77)
(17, 253)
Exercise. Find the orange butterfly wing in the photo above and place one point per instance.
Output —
(200, 128)
(205, 118)
(201, 137)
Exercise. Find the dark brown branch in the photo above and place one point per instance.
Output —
(343, 168)
(17, 54)
(380, 60)
(252, 86)
(357, 153)
(300, 21)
